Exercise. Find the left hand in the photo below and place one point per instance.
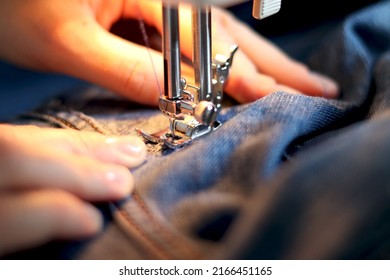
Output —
(72, 37)
(50, 177)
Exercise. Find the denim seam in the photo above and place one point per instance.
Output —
(52, 119)
(146, 237)
(155, 242)
(89, 120)
(154, 230)
(165, 232)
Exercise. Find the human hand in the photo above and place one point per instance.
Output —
(259, 67)
(48, 177)
(71, 37)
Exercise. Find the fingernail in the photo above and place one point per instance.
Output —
(119, 180)
(130, 146)
(330, 88)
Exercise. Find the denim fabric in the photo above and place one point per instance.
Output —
(285, 177)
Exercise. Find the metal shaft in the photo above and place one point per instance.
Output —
(171, 50)
(201, 25)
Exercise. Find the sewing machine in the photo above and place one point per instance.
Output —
(192, 110)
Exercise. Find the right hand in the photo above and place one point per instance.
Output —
(72, 37)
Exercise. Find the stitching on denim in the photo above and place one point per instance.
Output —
(54, 119)
(149, 239)
(90, 121)
(66, 122)
(60, 121)
(167, 234)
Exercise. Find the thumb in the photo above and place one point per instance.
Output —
(89, 52)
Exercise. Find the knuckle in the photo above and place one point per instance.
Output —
(238, 83)
(267, 85)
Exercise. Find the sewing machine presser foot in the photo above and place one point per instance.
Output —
(183, 133)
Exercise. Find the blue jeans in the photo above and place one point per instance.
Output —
(285, 177)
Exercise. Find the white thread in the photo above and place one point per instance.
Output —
(146, 41)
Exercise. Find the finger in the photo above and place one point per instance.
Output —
(131, 70)
(245, 84)
(32, 218)
(69, 37)
(30, 164)
(93, 54)
(85, 177)
(147, 11)
(129, 151)
(272, 61)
